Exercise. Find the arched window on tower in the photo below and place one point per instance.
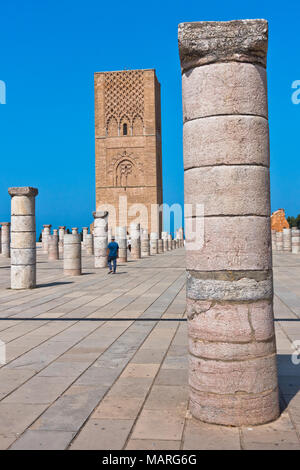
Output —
(125, 130)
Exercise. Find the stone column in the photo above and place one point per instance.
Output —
(295, 240)
(153, 243)
(100, 238)
(85, 231)
(45, 234)
(89, 244)
(135, 241)
(173, 244)
(0, 240)
(75, 231)
(169, 245)
(164, 236)
(72, 254)
(274, 247)
(5, 239)
(279, 241)
(121, 237)
(61, 234)
(287, 239)
(23, 237)
(145, 245)
(160, 247)
(232, 364)
(53, 251)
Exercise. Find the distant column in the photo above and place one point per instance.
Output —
(121, 236)
(232, 361)
(295, 240)
(135, 241)
(279, 241)
(75, 231)
(145, 245)
(153, 243)
(5, 239)
(160, 248)
(169, 242)
(45, 234)
(164, 236)
(287, 239)
(89, 244)
(53, 251)
(85, 231)
(173, 244)
(100, 238)
(23, 237)
(61, 234)
(72, 254)
(0, 239)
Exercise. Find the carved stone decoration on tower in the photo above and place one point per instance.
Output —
(128, 145)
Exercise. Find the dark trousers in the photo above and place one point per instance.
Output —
(114, 262)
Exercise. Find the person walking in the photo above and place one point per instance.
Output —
(112, 255)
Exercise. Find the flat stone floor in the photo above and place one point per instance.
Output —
(90, 366)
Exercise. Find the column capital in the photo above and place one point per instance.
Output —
(206, 42)
(100, 214)
(23, 191)
(5, 224)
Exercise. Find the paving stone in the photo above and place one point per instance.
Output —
(43, 440)
(157, 425)
(99, 434)
(202, 436)
(138, 444)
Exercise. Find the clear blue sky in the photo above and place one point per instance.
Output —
(49, 52)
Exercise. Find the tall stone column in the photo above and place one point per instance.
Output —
(23, 237)
(279, 241)
(287, 239)
(89, 244)
(85, 231)
(232, 363)
(295, 240)
(45, 234)
(121, 236)
(5, 239)
(153, 243)
(160, 247)
(100, 238)
(72, 254)
(53, 250)
(135, 241)
(61, 234)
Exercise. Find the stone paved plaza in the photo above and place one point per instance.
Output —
(91, 366)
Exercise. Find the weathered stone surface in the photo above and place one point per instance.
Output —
(100, 238)
(225, 88)
(121, 235)
(207, 42)
(235, 410)
(135, 241)
(230, 321)
(89, 244)
(230, 377)
(5, 239)
(53, 251)
(236, 189)
(23, 276)
(246, 288)
(226, 140)
(234, 243)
